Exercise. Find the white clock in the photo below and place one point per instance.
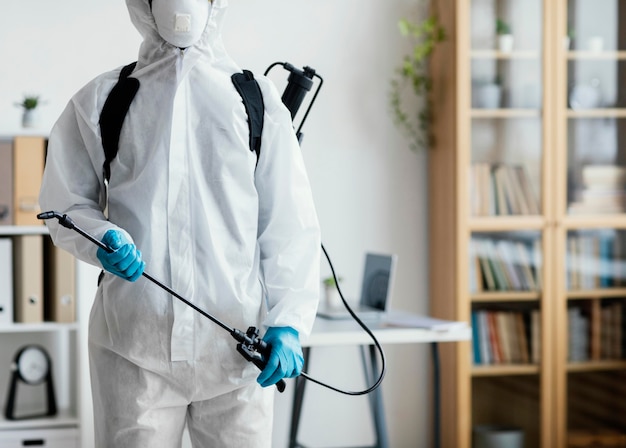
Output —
(31, 366)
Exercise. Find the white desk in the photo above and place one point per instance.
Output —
(328, 332)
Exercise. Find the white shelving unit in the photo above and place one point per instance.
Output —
(66, 344)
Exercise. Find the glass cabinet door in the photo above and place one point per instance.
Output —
(506, 163)
(506, 107)
(596, 102)
(593, 99)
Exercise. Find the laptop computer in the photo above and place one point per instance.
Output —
(376, 288)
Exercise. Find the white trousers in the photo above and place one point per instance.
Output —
(138, 408)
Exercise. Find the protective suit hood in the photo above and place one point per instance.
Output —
(155, 47)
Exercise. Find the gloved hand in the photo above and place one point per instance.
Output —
(285, 360)
(125, 260)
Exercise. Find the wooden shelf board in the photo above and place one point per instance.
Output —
(506, 223)
(594, 366)
(506, 296)
(495, 54)
(505, 369)
(599, 293)
(595, 55)
(597, 113)
(606, 221)
(505, 113)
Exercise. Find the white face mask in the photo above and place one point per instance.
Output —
(181, 22)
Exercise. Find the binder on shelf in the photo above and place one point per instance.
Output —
(28, 278)
(6, 183)
(6, 281)
(59, 284)
(28, 163)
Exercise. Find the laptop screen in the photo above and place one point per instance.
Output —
(377, 280)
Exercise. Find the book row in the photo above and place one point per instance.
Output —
(501, 189)
(506, 337)
(596, 331)
(596, 259)
(21, 169)
(603, 190)
(37, 281)
(504, 264)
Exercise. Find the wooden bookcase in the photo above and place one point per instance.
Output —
(558, 111)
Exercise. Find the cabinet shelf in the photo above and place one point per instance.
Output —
(23, 230)
(42, 327)
(597, 113)
(595, 55)
(599, 293)
(506, 223)
(594, 221)
(596, 366)
(505, 369)
(506, 296)
(64, 419)
(505, 113)
(495, 54)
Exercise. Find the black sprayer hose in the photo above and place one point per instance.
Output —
(252, 348)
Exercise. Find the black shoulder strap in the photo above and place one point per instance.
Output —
(118, 102)
(113, 113)
(252, 98)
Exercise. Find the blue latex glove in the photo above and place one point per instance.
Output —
(286, 359)
(125, 260)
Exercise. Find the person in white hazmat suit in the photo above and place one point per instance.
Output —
(238, 238)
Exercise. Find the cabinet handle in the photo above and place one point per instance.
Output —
(34, 442)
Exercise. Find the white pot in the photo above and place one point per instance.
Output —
(505, 43)
(595, 44)
(566, 43)
(30, 118)
(332, 296)
(489, 96)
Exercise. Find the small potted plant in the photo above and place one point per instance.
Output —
(567, 41)
(29, 105)
(505, 38)
(331, 293)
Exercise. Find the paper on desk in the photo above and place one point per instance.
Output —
(426, 322)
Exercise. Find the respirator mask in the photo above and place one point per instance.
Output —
(181, 22)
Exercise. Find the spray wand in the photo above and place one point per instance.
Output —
(250, 345)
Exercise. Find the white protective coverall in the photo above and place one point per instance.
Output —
(239, 239)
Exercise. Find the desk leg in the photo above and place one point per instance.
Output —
(434, 349)
(298, 398)
(376, 397)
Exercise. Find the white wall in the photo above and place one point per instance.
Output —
(370, 190)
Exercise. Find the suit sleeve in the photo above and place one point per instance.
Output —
(288, 228)
(72, 182)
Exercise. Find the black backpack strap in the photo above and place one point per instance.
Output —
(252, 98)
(113, 113)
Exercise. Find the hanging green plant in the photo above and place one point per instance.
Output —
(413, 74)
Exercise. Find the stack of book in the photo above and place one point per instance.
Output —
(506, 337)
(501, 264)
(501, 189)
(596, 331)
(595, 259)
(603, 190)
